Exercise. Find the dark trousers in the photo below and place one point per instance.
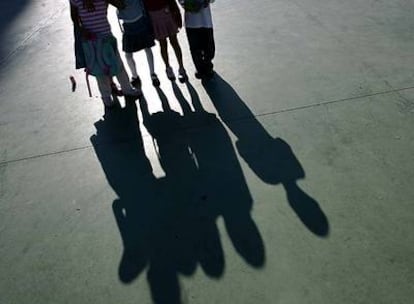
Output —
(202, 47)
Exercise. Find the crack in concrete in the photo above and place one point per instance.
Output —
(288, 110)
(48, 21)
(3, 175)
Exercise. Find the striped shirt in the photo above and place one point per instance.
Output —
(95, 21)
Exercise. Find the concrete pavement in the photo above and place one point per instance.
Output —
(286, 179)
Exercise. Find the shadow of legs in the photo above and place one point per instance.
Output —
(246, 239)
(271, 159)
(307, 209)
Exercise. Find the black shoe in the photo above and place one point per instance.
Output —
(155, 80)
(115, 90)
(136, 82)
(170, 73)
(182, 75)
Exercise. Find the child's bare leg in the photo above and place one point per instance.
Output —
(164, 55)
(131, 64)
(123, 79)
(182, 74)
(136, 81)
(164, 52)
(177, 50)
(104, 85)
(150, 59)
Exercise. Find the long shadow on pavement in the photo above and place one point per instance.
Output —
(9, 10)
(169, 225)
(272, 159)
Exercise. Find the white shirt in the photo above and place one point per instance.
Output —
(200, 19)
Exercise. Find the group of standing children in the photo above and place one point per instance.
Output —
(142, 22)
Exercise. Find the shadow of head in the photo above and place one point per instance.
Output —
(271, 159)
(168, 225)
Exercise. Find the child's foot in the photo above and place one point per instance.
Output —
(115, 90)
(109, 103)
(182, 75)
(155, 80)
(136, 82)
(170, 73)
